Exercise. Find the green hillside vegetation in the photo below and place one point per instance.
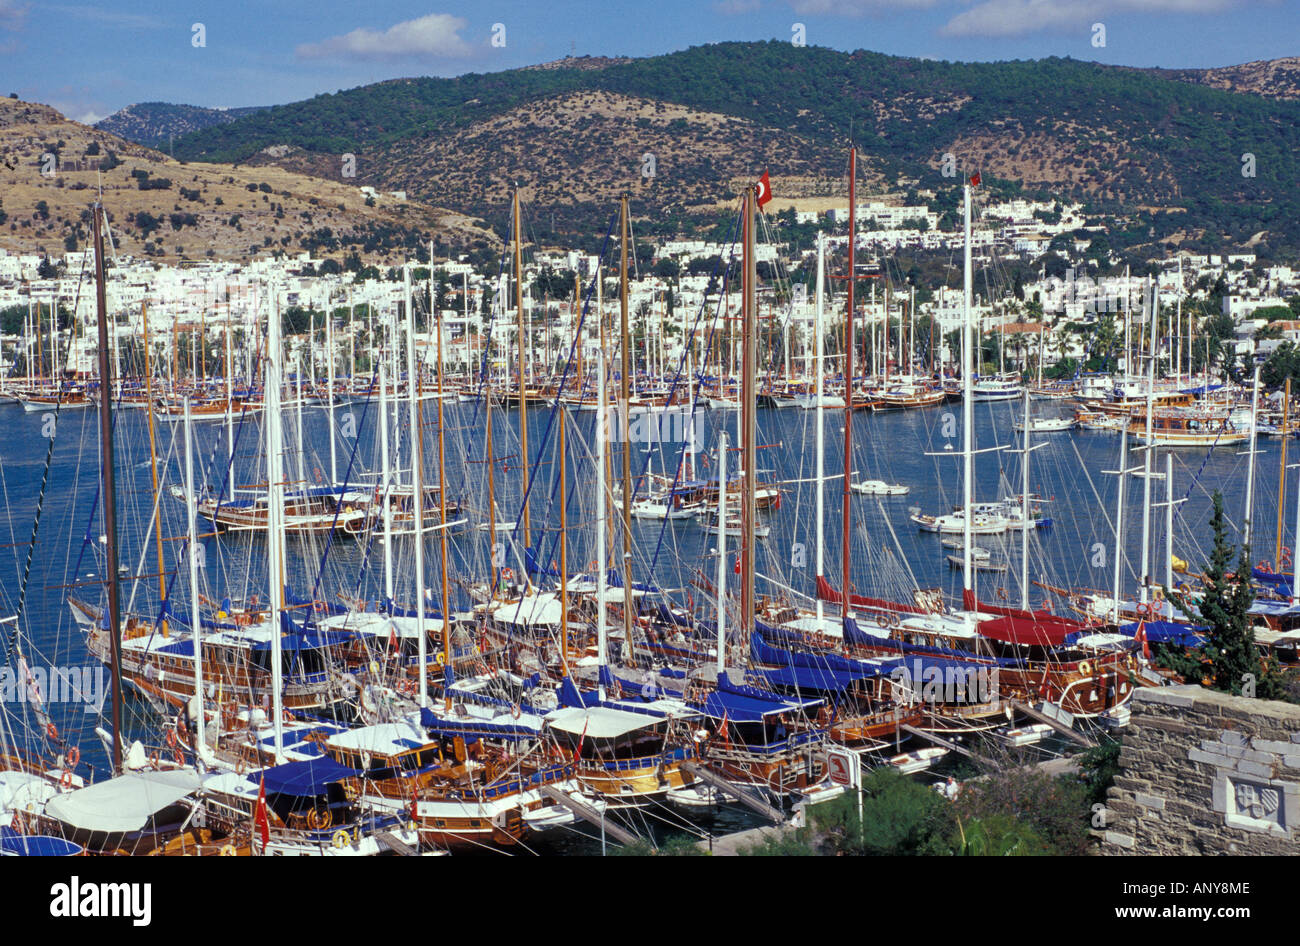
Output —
(1122, 139)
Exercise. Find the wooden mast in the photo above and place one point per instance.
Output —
(153, 467)
(625, 433)
(845, 584)
(109, 486)
(564, 547)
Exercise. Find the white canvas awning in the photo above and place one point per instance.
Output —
(125, 803)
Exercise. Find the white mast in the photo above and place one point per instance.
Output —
(722, 552)
(1024, 512)
(195, 551)
(602, 434)
(1169, 519)
(1250, 466)
(417, 483)
(821, 433)
(385, 483)
(275, 516)
(967, 409)
(329, 380)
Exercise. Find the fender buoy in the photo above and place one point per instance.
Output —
(1085, 667)
(340, 839)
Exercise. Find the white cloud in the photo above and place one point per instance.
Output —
(1019, 17)
(858, 7)
(432, 35)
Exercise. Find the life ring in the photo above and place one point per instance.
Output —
(1184, 587)
(65, 780)
(52, 731)
(1001, 593)
(318, 819)
(1264, 567)
(171, 739)
(73, 757)
(340, 839)
(1085, 667)
(179, 755)
(1046, 605)
(228, 850)
(181, 729)
(507, 574)
(515, 711)
(1284, 560)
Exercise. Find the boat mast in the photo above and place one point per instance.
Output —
(748, 404)
(386, 483)
(1281, 470)
(329, 380)
(523, 343)
(722, 552)
(417, 483)
(442, 511)
(625, 431)
(602, 500)
(564, 544)
(1024, 510)
(1250, 466)
(1148, 449)
(1122, 473)
(821, 418)
(967, 406)
(153, 467)
(191, 510)
(847, 496)
(275, 515)
(109, 483)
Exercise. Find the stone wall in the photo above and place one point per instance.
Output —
(1203, 772)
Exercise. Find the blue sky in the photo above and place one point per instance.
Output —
(89, 60)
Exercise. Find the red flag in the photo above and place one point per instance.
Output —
(392, 637)
(581, 739)
(975, 179)
(763, 190)
(1142, 636)
(260, 820)
(736, 567)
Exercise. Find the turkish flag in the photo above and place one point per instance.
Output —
(975, 179)
(260, 820)
(763, 190)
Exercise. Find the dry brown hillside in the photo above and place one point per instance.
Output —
(189, 210)
(588, 147)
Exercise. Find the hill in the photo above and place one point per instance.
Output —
(172, 210)
(155, 124)
(1130, 142)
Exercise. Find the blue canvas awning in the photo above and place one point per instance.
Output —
(305, 778)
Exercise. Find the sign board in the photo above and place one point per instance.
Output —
(844, 767)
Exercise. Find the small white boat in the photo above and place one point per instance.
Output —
(1048, 425)
(981, 524)
(981, 560)
(918, 760)
(698, 796)
(1026, 735)
(880, 488)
